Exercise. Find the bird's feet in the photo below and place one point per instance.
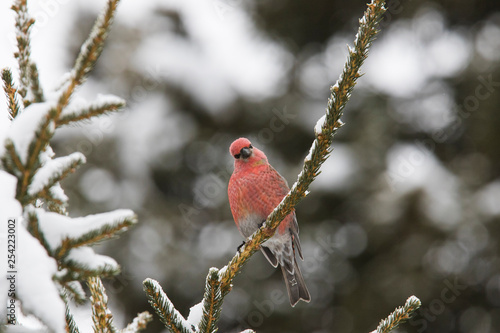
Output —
(239, 247)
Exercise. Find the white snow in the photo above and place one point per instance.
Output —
(311, 150)
(36, 290)
(57, 192)
(56, 227)
(54, 166)
(222, 271)
(183, 321)
(318, 128)
(195, 314)
(135, 324)
(86, 256)
(23, 128)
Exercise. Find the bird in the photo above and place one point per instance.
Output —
(254, 190)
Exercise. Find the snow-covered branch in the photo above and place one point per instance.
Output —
(55, 249)
(400, 315)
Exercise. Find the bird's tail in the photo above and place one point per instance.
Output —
(295, 285)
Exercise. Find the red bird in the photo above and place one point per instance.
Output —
(255, 189)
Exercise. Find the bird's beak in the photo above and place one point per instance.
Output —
(245, 152)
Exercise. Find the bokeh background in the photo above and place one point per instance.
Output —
(407, 204)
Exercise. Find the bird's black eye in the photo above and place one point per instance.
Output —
(250, 146)
(237, 156)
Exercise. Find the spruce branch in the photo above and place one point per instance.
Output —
(321, 147)
(139, 323)
(53, 204)
(164, 308)
(41, 140)
(10, 93)
(89, 53)
(212, 303)
(101, 316)
(75, 290)
(23, 25)
(71, 326)
(400, 315)
(52, 172)
(34, 227)
(107, 231)
(36, 89)
(11, 161)
(77, 271)
(102, 106)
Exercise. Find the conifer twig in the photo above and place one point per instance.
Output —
(101, 316)
(212, 303)
(399, 315)
(139, 323)
(43, 181)
(320, 150)
(78, 271)
(71, 326)
(164, 308)
(23, 25)
(107, 231)
(11, 161)
(11, 93)
(75, 290)
(89, 53)
(90, 111)
(36, 89)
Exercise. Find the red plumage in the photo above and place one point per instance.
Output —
(254, 190)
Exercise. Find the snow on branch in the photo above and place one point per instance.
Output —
(83, 262)
(103, 105)
(32, 292)
(165, 309)
(25, 130)
(53, 171)
(139, 323)
(56, 247)
(75, 290)
(399, 315)
(63, 233)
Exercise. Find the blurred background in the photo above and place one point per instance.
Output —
(407, 204)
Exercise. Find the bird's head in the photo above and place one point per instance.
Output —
(243, 152)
